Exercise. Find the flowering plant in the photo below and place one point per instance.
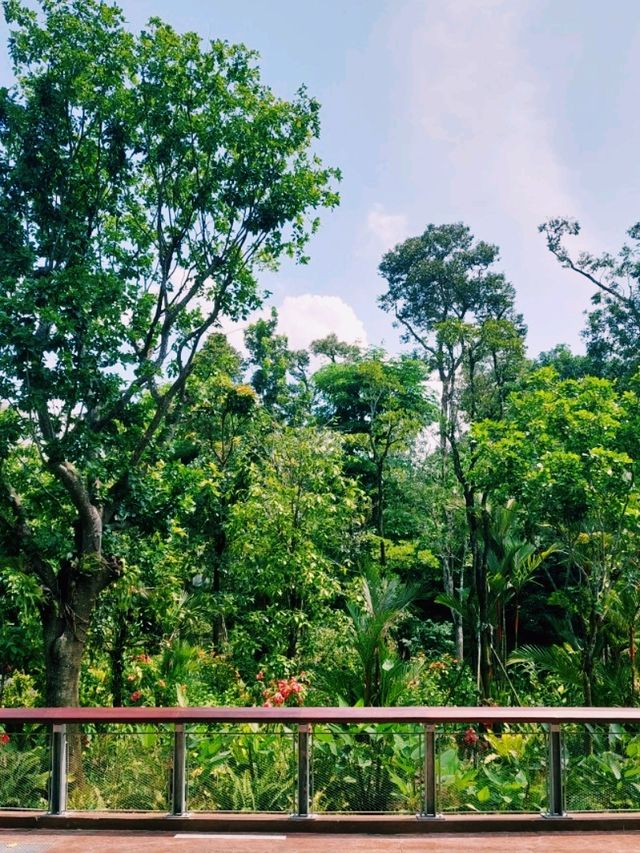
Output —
(284, 691)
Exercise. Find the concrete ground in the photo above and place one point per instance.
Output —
(80, 841)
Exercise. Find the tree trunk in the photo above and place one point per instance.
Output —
(65, 623)
(456, 617)
(63, 656)
(69, 606)
(219, 625)
(477, 539)
(378, 510)
(117, 658)
(632, 661)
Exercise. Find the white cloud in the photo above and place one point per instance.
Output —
(473, 89)
(479, 125)
(303, 319)
(388, 229)
(310, 316)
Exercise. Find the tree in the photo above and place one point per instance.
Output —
(613, 327)
(144, 180)
(381, 404)
(564, 362)
(448, 299)
(568, 451)
(381, 676)
(214, 438)
(279, 374)
(293, 536)
(334, 349)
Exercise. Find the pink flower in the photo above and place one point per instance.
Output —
(260, 676)
(278, 698)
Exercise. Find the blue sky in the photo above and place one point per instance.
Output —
(499, 113)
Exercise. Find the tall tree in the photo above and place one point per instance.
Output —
(613, 326)
(449, 300)
(293, 536)
(381, 404)
(278, 373)
(568, 450)
(143, 182)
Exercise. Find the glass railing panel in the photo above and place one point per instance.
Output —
(121, 768)
(241, 768)
(25, 762)
(367, 768)
(602, 767)
(491, 769)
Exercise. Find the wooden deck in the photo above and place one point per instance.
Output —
(43, 841)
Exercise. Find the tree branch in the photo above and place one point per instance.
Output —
(23, 538)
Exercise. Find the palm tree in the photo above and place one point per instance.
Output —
(384, 601)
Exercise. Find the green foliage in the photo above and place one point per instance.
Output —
(376, 675)
(103, 786)
(603, 768)
(242, 769)
(381, 405)
(19, 690)
(24, 774)
(280, 375)
(144, 181)
(493, 772)
(291, 541)
(613, 326)
(365, 768)
(19, 624)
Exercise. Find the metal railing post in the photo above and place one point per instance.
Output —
(556, 792)
(179, 772)
(430, 799)
(58, 784)
(304, 737)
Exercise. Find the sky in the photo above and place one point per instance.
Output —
(497, 113)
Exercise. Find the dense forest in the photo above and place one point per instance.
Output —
(181, 523)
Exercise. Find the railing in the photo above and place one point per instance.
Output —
(304, 762)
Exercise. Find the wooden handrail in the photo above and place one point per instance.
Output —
(407, 714)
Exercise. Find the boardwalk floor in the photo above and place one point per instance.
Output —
(41, 841)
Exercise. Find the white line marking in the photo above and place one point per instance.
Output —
(229, 835)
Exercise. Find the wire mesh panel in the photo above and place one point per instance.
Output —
(24, 768)
(123, 769)
(361, 768)
(602, 768)
(241, 768)
(480, 770)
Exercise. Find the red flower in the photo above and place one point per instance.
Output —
(136, 696)
(470, 737)
(4, 739)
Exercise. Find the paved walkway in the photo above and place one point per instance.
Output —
(41, 841)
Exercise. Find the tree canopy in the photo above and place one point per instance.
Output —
(453, 520)
(144, 180)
